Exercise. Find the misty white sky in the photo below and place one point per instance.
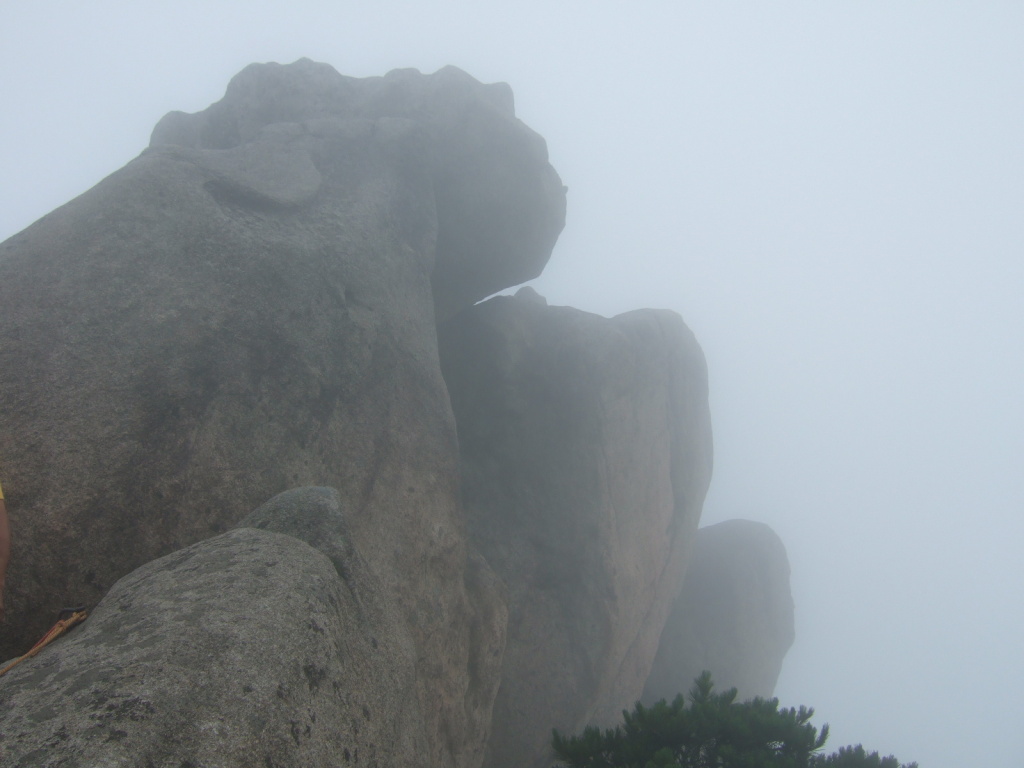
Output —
(832, 196)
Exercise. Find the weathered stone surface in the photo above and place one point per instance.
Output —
(245, 649)
(316, 516)
(734, 615)
(172, 356)
(586, 455)
(250, 306)
(500, 204)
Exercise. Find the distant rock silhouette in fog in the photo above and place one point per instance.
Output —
(733, 617)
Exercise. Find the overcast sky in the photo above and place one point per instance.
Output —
(830, 194)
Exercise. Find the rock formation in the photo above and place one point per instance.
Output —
(244, 649)
(492, 505)
(250, 306)
(586, 454)
(733, 617)
(499, 205)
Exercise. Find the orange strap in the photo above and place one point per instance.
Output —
(58, 629)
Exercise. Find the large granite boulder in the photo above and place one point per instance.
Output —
(250, 306)
(733, 617)
(586, 455)
(246, 649)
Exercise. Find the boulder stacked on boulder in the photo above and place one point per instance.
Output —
(249, 306)
(485, 534)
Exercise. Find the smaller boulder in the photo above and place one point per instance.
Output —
(733, 617)
(250, 648)
(314, 515)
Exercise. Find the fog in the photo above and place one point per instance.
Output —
(831, 195)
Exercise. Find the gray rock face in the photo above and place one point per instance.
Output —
(250, 306)
(315, 516)
(500, 205)
(734, 615)
(245, 649)
(253, 305)
(586, 455)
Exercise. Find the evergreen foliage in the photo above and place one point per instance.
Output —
(857, 757)
(714, 731)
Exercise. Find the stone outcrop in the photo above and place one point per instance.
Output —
(586, 455)
(250, 306)
(733, 617)
(500, 205)
(492, 506)
(249, 648)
